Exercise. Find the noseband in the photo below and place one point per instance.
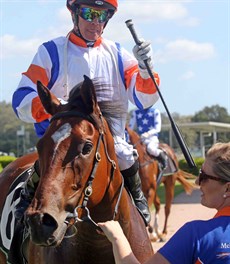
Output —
(97, 158)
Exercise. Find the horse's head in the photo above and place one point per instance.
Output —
(76, 161)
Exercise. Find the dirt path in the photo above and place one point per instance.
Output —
(184, 208)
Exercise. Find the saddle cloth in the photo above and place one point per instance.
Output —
(171, 168)
(8, 221)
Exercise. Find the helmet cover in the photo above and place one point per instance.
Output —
(108, 4)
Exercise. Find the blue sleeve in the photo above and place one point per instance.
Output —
(180, 248)
(40, 128)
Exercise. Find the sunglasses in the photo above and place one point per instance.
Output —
(89, 14)
(203, 176)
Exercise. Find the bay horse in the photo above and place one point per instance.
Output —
(80, 184)
(149, 172)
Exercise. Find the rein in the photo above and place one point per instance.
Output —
(89, 190)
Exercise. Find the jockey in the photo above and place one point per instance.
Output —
(148, 124)
(61, 63)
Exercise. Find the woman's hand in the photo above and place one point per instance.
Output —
(112, 230)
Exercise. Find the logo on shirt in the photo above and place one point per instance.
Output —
(225, 245)
(226, 253)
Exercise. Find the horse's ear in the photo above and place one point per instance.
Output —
(49, 100)
(89, 95)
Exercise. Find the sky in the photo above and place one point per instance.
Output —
(190, 42)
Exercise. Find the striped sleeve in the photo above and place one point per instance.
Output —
(142, 92)
(44, 68)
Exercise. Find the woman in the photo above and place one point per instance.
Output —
(197, 241)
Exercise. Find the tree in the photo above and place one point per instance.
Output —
(10, 124)
(214, 113)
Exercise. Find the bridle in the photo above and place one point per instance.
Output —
(97, 158)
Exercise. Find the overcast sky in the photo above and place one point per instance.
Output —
(190, 41)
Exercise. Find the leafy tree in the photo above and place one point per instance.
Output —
(214, 113)
(10, 124)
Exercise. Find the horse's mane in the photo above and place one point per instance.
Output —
(108, 109)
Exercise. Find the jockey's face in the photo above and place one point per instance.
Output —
(91, 22)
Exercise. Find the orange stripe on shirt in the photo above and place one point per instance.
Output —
(223, 212)
(38, 111)
(146, 85)
(35, 73)
(80, 42)
(129, 74)
(142, 85)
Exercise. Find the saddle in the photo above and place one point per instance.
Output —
(169, 170)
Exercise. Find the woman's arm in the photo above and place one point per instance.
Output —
(121, 249)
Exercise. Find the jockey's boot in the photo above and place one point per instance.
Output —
(133, 183)
(163, 159)
(27, 193)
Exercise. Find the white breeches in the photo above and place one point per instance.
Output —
(152, 144)
(125, 152)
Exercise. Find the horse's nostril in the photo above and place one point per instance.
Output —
(49, 220)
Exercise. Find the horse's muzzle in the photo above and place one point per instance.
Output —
(44, 229)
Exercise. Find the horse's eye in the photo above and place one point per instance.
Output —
(87, 148)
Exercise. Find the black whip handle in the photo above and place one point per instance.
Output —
(175, 128)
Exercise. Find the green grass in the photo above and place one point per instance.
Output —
(161, 191)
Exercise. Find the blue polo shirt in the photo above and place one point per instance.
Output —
(200, 241)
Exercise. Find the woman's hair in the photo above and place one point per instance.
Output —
(219, 154)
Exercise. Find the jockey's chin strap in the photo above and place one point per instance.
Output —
(88, 189)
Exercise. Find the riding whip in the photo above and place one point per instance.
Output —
(174, 126)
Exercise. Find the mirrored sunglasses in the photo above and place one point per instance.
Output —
(203, 176)
(89, 14)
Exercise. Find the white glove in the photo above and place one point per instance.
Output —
(144, 136)
(63, 102)
(143, 52)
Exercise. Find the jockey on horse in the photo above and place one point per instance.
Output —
(62, 62)
(148, 124)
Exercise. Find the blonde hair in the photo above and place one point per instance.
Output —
(219, 154)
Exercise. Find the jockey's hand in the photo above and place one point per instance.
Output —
(63, 102)
(144, 136)
(143, 52)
